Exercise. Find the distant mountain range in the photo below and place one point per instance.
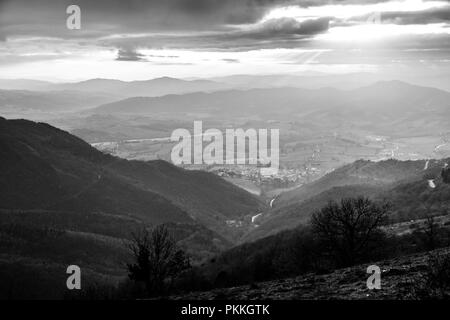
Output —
(311, 80)
(28, 95)
(317, 80)
(51, 101)
(390, 106)
(146, 88)
(168, 85)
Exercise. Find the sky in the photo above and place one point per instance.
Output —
(138, 39)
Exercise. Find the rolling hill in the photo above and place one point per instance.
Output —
(63, 202)
(401, 109)
(361, 172)
(46, 168)
(404, 184)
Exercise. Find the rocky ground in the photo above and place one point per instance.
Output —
(399, 278)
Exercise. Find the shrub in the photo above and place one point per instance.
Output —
(435, 283)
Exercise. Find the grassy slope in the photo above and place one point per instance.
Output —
(398, 281)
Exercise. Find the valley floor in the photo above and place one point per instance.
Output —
(398, 279)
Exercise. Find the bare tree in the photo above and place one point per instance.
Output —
(445, 173)
(347, 231)
(431, 233)
(157, 259)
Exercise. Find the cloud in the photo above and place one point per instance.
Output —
(48, 17)
(290, 26)
(175, 19)
(222, 25)
(105, 17)
(163, 56)
(231, 60)
(129, 55)
(275, 33)
(437, 15)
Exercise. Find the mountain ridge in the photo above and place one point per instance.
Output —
(78, 177)
(403, 184)
(358, 105)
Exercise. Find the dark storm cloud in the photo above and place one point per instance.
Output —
(129, 55)
(282, 32)
(47, 17)
(227, 41)
(187, 24)
(281, 27)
